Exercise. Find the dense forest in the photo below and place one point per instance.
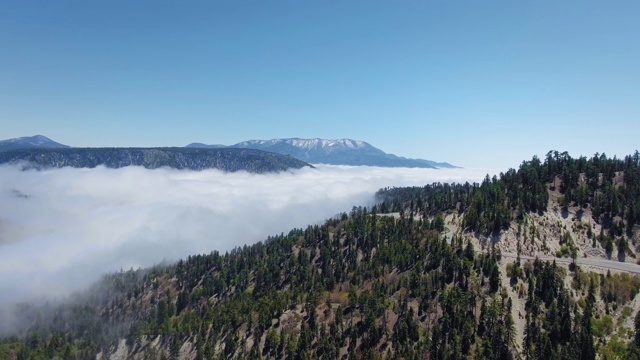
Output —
(491, 206)
(370, 285)
(152, 158)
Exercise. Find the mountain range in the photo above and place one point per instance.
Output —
(334, 152)
(315, 151)
(227, 159)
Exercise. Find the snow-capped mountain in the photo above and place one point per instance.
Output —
(27, 142)
(336, 152)
(315, 151)
(312, 148)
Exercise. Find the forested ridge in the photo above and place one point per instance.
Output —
(491, 205)
(368, 285)
(227, 159)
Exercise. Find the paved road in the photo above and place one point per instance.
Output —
(601, 263)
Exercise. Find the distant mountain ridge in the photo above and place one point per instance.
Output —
(37, 141)
(334, 152)
(227, 159)
(316, 150)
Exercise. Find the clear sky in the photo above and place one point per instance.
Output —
(474, 83)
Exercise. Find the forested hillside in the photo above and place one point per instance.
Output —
(393, 281)
(610, 187)
(152, 158)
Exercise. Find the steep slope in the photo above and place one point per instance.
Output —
(401, 280)
(359, 284)
(37, 141)
(153, 158)
(336, 152)
(564, 206)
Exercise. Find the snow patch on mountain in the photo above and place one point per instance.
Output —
(334, 152)
(37, 141)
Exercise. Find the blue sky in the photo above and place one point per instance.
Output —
(475, 83)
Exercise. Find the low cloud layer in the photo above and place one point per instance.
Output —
(60, 229)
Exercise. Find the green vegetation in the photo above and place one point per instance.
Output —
(368, 286)
(491, 205)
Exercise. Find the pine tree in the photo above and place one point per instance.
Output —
(636, 339)
(587, 348)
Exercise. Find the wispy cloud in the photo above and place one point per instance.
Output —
(60, 229)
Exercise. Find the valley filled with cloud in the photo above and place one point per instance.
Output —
(61, 229)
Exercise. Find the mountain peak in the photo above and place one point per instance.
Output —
(333, 151)
(36, 141)
(313, 143)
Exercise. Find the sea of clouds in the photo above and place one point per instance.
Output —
(61, 229)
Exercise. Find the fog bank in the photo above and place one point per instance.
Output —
(61, 229)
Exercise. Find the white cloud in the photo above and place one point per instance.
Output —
(75, 224)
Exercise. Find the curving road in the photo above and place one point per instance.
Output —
(601, 263)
